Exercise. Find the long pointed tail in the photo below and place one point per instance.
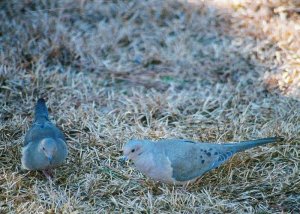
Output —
(244, 145)
(41, 111)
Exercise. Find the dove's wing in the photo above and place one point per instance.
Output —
(43, 130)
(190, 160)
(42, 127)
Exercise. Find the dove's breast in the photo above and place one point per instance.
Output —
(158, 168)
(32, 159)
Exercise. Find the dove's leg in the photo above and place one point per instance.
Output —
(48, 173)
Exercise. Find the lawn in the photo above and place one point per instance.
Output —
(213, 71)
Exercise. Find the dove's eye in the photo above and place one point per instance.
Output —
(44, 148)
(132, 150)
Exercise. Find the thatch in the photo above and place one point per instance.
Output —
(115, 70)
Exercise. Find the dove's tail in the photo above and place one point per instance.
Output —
(41, 112)
(244, 145)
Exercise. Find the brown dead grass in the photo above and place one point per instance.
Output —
(115, 70)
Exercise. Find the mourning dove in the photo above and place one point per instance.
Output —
(181, 161)
(45, 146)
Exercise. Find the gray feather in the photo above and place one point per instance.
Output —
(190, 159)
(244, 145)
(203, 157)
(41, 111)
(42, 128)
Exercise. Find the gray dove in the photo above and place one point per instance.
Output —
(45, 146)
(182, 161)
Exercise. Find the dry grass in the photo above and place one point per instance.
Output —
(115, 70)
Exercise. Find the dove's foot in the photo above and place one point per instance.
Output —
(48, 173)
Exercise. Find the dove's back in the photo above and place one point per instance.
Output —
(42, 126)
(190, 160)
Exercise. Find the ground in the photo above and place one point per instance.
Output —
(215, 71)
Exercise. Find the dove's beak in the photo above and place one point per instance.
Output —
(50, 159)
(123, 159)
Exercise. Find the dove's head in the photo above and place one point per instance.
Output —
(134, 148)
(48, 148)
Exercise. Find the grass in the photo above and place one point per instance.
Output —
(115, 70)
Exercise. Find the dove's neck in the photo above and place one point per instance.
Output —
(145, 162)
